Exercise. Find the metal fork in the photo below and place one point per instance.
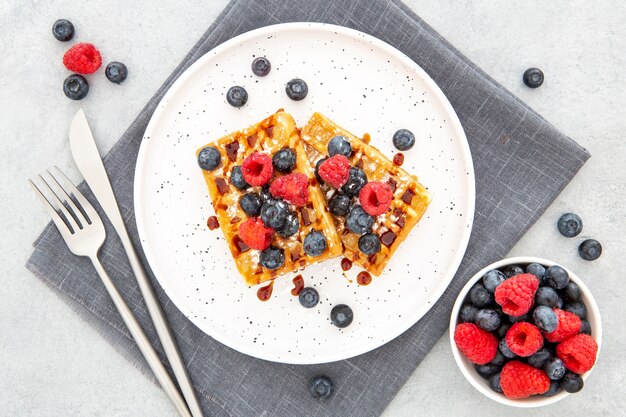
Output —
(83, 232)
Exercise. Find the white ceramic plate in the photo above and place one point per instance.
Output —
(365, 85)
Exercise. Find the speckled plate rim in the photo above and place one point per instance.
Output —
(350, 350)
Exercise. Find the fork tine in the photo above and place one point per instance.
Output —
(71, 217)
(59, 221)
(90, 212)
(77, 208)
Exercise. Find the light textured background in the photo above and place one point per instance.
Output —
(53, 364)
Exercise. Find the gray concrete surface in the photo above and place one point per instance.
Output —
(53, 364)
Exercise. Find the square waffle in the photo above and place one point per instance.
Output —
(410, 197)
(269, 136)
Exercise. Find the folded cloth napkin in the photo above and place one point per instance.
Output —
(521, 164)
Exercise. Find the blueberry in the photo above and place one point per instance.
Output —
(486, 371)
(492, 279)
(468, 313)
(317, 169)
(512, 270)
(480, 296)
(403, 140)
(284, 160)
(369, 244)
(358, 221)
(236, 178)
(585, 327)
(498, 359)
(572, 382)
(265, 194)
(116, 72)
(250, 203)
(545, 319)
(537, 270)
(571, 293)
(274, 213)
(523, 317)
(309, 297)
(559, 303)
(261, 66)
(590, 250)
(501, 332)
(296, 89)
(494, 383)
(546, 296)
(339, 145)
(321, 387)
(554, 368)
(533, 77)
(539, 358)
(555, 388)
(577, 308)
(75, 87)
(557, 277)
(63, 30)
(570, 225)
(504, 348)
(487, 319)
(237, 96)
(356, 180)
(291, 225)
(315, 243)
(209, 158)
(272, 257)
(339, 205)
(341, 316)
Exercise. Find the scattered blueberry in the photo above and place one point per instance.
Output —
(317, 168)
(315, 243)
(356, 180)
(272, 257)
(296, 89)
(539, 358)
(75, 87)
(572, 382)
(554, 368)
(236, 178)
(512, 270)
(546, 296)
(403, 140)
(494, 383)
(545, 318)
(284, 160)
(570, 225)
(291, 225)
(498, 360)
(321, 387)
(339, 205)
(590, 250)
(585, 327)
(505, 350)
(533, 77)
(492, 279)
(501, 332)
(209, 158)
(274, 213)
(358, 221)
(261, 66)
(339, 145)
(369, 244)
(487, 319)
(468, 313)
(237, 96)
(571, 293)
(523, 317)
(557, 277)
(250, 203)
(309, 297)
(63, 30)
(577, 308)
(486, 371)
(116, 72)
(555, 388)
(480, 296)
(265, 194)
(537, 270)
(341, 315)
(559, 303)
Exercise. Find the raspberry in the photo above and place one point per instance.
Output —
(375, 197)
(568, 324)
(578, 353)
(524, 339)
(293, 188)
(520, 380)
(516, 294)
(82, 58)
(478, 345)
(255, 234)
(335, 170)
(257, 169)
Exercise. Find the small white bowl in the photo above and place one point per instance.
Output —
(467, 368)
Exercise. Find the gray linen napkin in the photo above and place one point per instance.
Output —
(521, 163)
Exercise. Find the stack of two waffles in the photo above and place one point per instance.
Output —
(277, 132)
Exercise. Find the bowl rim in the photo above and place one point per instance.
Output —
(467, 368)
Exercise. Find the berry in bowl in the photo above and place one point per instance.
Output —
(525, 332)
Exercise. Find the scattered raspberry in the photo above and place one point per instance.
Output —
(82, 58)
(524, 339)
(257, 169)
(520, 380)
(293, 188)
(375, 197)
(255, 234)
(478, 345)
(578, 353)
(516, 294)
(335, 170)
(568, 324)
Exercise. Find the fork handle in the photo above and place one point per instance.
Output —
(142, 341)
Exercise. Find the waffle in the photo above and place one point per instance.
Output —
(270, 135)
(410, 197)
